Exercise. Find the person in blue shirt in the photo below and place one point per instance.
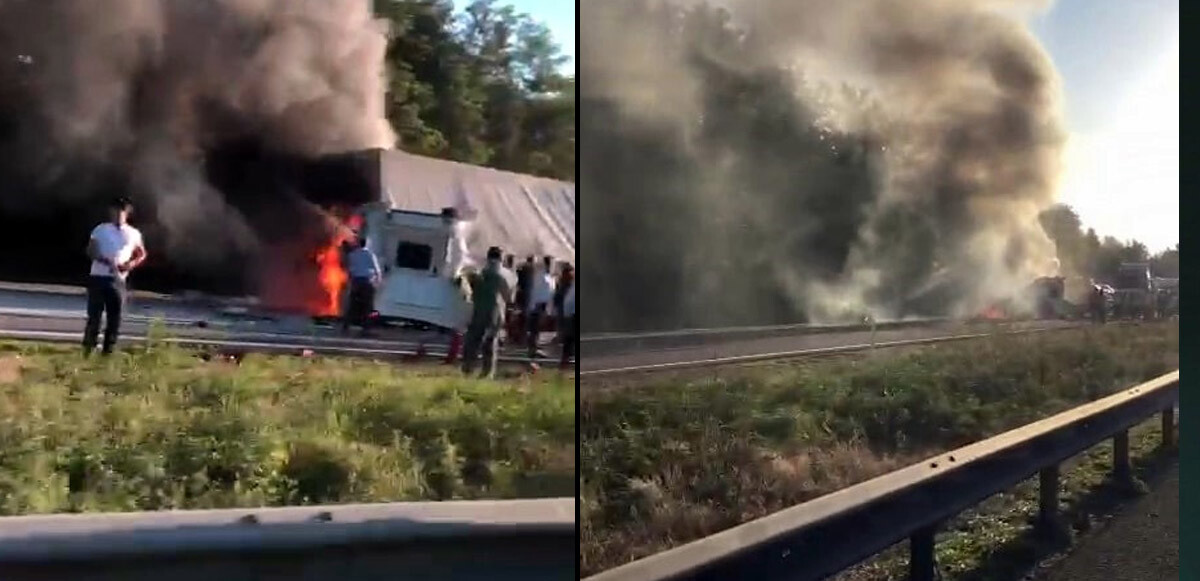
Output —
(365, 276)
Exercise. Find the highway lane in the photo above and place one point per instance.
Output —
(64, 310)
(140, 327)
(57, 314)
(55, 330)
(794, 343)
(1141, 543)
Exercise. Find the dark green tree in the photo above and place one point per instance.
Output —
(483, 85)
(1086, 254)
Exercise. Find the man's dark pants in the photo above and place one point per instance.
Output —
(570, 339)
(481, 337)
(533, 329)
(105, 296)
(361, 303)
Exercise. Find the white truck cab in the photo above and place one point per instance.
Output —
(417, 285)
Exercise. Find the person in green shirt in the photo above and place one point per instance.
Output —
(491, 291)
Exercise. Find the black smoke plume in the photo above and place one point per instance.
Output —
(211, 114)
(775, 161)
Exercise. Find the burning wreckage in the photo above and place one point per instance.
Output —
(247, 134)
(303, 213)
(1134, 294)
(429, 221)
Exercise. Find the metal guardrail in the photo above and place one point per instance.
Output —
(812, 352)
(825, 536)
(298, 346)
(749, 329)
(477, 540)
(610, 343)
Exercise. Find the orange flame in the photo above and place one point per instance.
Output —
(331, 273)
(993, 312)
(307, 275)
(332, 278)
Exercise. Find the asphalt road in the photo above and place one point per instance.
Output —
(792, 343)
(136, 327)
(58, 315)
(1141, 543)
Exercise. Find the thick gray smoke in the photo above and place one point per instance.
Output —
(144, 88)
(894, 161)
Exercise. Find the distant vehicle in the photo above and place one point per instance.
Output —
(1168, 296)
(1135, 293)
(1049, 300)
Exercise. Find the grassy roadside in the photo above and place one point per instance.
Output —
(663, 464)
(158, 427)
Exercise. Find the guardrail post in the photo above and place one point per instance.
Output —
(1168, 427)
(922, 563)
(1122, 471)
(1049, 524)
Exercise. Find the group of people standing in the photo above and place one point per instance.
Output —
(519, 300)
(540, 295)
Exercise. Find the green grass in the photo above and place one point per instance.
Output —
(158, 427)
(666, 463)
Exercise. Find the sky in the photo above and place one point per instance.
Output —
(559, 15)
(1119, 62)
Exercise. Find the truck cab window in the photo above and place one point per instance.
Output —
(414, 256)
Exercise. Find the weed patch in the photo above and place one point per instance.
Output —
(159, 427)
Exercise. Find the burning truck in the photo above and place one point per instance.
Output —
(301, 212)
(1043, 299)
(1136, 292)
(248, 135)
(429, 221)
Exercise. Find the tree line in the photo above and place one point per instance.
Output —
(1084, 252)
(481, 85)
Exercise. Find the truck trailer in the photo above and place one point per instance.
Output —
(1134, 292)
(423, 254)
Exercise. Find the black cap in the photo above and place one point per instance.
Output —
(120, 203)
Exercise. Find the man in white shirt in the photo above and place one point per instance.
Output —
(116, 248)
(540, 296)
(457, 251)
(365, 276)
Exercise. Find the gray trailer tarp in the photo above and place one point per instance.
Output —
(522, 214)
